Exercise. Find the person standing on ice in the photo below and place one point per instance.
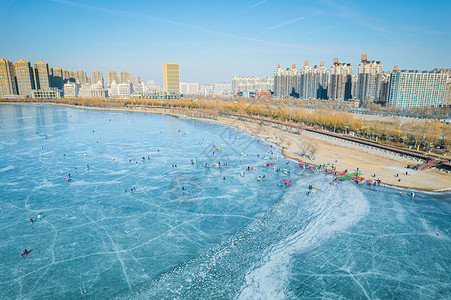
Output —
(39, 216)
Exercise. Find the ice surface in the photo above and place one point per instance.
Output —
(97, 237)
(233, 238)
(344, 241)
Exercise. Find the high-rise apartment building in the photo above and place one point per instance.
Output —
(68, 76)
(96, 77)
(313, 81)
(369, 84)
(81, 77)
(136, 80)
(73, 74)
(125, 77)
(447, 71)
(25, 77)
(42, 76)
(171, 78)
(354, 86)
(286, 82)
(443, 71)
(112, 76)
(413, 88)
(447, 100)
(340, 81)
(8, 84)
(384, 87)
(56, 78)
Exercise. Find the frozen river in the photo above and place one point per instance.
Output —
(163, 207)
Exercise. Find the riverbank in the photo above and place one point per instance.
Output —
(321, 149)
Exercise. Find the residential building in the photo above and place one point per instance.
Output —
(171, 78)
(113, 90)
(447, 71)
(68, 76)
(65, 75)
(56, 78)
(138, 89)
(244, 83)
(25, 78)
(222, 89)
(383, 94)
(96, 77)
(264, 85)
(93, 91)
(206, 89)
(41, 76)
(81, 77)
(444, 71)
(125, 89)
(447, 100)
(8, 85)
(125, 77)
(286, 82)
(369, 83)
(354, 87)
(71, 89)
(189, 88)
(413, 88)
(340, 81)
(136, 80)
(153, 88)
(313, 81)
(112, 76)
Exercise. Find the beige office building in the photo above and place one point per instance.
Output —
(96, 77)
(42, 76)
(25, 77)
(171, 78)
(7, 78)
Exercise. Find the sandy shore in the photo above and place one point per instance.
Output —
(344, 155)
(347, 155)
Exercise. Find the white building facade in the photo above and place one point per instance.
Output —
(71, 89)
(189, 88)
(413, 88)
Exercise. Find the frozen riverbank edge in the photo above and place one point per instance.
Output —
(384, 164)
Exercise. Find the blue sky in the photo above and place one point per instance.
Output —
(215, 40)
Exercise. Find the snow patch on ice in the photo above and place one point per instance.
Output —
(331, 213)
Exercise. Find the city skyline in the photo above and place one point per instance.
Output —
(215, 41)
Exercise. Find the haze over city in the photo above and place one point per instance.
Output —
(214, 41)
